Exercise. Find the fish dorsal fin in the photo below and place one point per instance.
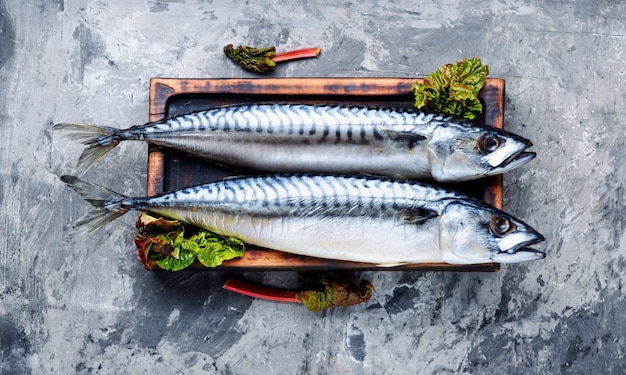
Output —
(417, 216)
(407, 137)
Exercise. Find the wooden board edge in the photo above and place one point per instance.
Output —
(271, 260)
(492, 94)
(162, 89)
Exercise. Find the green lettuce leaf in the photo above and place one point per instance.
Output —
(174, 246)
(212, 251)
(179, 258)
(453, 89)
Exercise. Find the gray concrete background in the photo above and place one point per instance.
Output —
(88, 306)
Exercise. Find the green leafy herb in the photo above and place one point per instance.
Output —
(212, 251)
(263, 60)
(321, 291)
(453, 89)
(174, 246)
(178, 259)
(252, 59)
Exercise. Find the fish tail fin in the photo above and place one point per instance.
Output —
(108, 204)
(99, 139)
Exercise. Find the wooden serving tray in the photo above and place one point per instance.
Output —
(169, 170)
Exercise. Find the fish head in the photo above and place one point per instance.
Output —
(464, 151)
(470, 233)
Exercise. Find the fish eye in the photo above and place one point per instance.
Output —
(489, 143)
(501, 225)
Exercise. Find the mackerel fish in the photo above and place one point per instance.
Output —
(323, 139)
(364, 219)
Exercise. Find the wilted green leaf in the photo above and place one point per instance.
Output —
(257, 60)
(331, 289)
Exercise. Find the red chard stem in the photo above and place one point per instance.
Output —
(296, 54)
(262, 292)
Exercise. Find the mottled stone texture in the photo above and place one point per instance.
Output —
(87, 306)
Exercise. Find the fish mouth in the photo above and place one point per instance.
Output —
(511, 155)
(517, 159)
(513, 161)
(520, 252)
(524, 254)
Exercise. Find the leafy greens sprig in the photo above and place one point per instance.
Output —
(263, 60)
(174, 246)
(453, 89)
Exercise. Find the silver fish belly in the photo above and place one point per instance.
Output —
(325, 139)
(304, 138)
(381, 221)
(337, 217)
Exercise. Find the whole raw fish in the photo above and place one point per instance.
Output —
(364, 219)
(324, 139)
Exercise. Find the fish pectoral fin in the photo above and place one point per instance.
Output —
(411, 139)
(417, 216)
